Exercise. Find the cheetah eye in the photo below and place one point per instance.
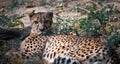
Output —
(36, 22)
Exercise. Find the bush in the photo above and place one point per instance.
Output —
(95, 24)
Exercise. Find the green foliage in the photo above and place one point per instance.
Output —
(96, 19)
(4, 20)
(10, 22)
(114, 38)
(66, 28)
(94, 24)
(91, 7)
(13, 5)
(16, 22)
(75, 8)
(65, 24)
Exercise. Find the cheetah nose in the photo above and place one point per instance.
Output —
(41, 29)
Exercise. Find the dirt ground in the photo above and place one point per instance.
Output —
(50, 5)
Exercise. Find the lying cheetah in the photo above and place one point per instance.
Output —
(57, 49)
(13, 55)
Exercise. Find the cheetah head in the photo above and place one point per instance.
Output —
(40, 21)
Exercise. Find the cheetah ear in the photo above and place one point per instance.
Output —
(31, 14)
(49, 15)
